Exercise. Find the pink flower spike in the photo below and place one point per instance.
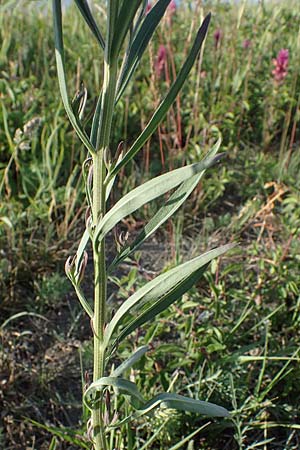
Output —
(246, 44)
(281, 65)
(172, 7)
(149, 6)
(160, 60)
(283, 57)
(217, 37)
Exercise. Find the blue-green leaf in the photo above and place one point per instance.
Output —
(84, 8)
(165, 212)
(139, 44)
(147, 192)
(165, 105)
(159, 287)
(128, 363)
(60, 63)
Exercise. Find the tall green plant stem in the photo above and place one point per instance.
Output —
(98, 211)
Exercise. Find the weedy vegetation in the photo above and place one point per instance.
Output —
(165, 348)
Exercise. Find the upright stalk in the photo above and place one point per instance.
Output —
(167, 287)
(98, 211)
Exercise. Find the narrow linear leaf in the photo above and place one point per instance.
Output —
(160, 305)
(84, 8)
(163, 108)
(112, 15)
(53, 444)
(139, 44)
(59, 54)
(124, 21)
(147, 192)
(136, 356)
(165, 212)
(165, 400)
(181, 403)
(161, 285)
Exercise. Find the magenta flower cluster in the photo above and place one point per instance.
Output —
(281, 65)
(218, 34)
(160, 60)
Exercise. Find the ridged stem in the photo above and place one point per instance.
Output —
(100, 275)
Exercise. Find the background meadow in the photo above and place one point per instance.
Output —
(236, 334)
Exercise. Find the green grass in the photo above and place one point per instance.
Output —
(236, 334)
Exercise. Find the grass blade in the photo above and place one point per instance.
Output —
(21, 314)
(165, 105)
(65, 434)
(189, 437)
(147, 192)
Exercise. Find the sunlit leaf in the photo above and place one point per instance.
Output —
(147, 192)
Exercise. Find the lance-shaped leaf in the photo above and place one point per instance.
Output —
(120, 385)
(161, 286)
(165, 105)
(84, 8)
(156, 307)
(139, 44)
(165, 400)
(165, 212)
(182, 403)
(60, 63)
(124, 22)
(147, 192)
(128, 363)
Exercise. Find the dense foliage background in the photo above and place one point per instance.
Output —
(237, 334)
